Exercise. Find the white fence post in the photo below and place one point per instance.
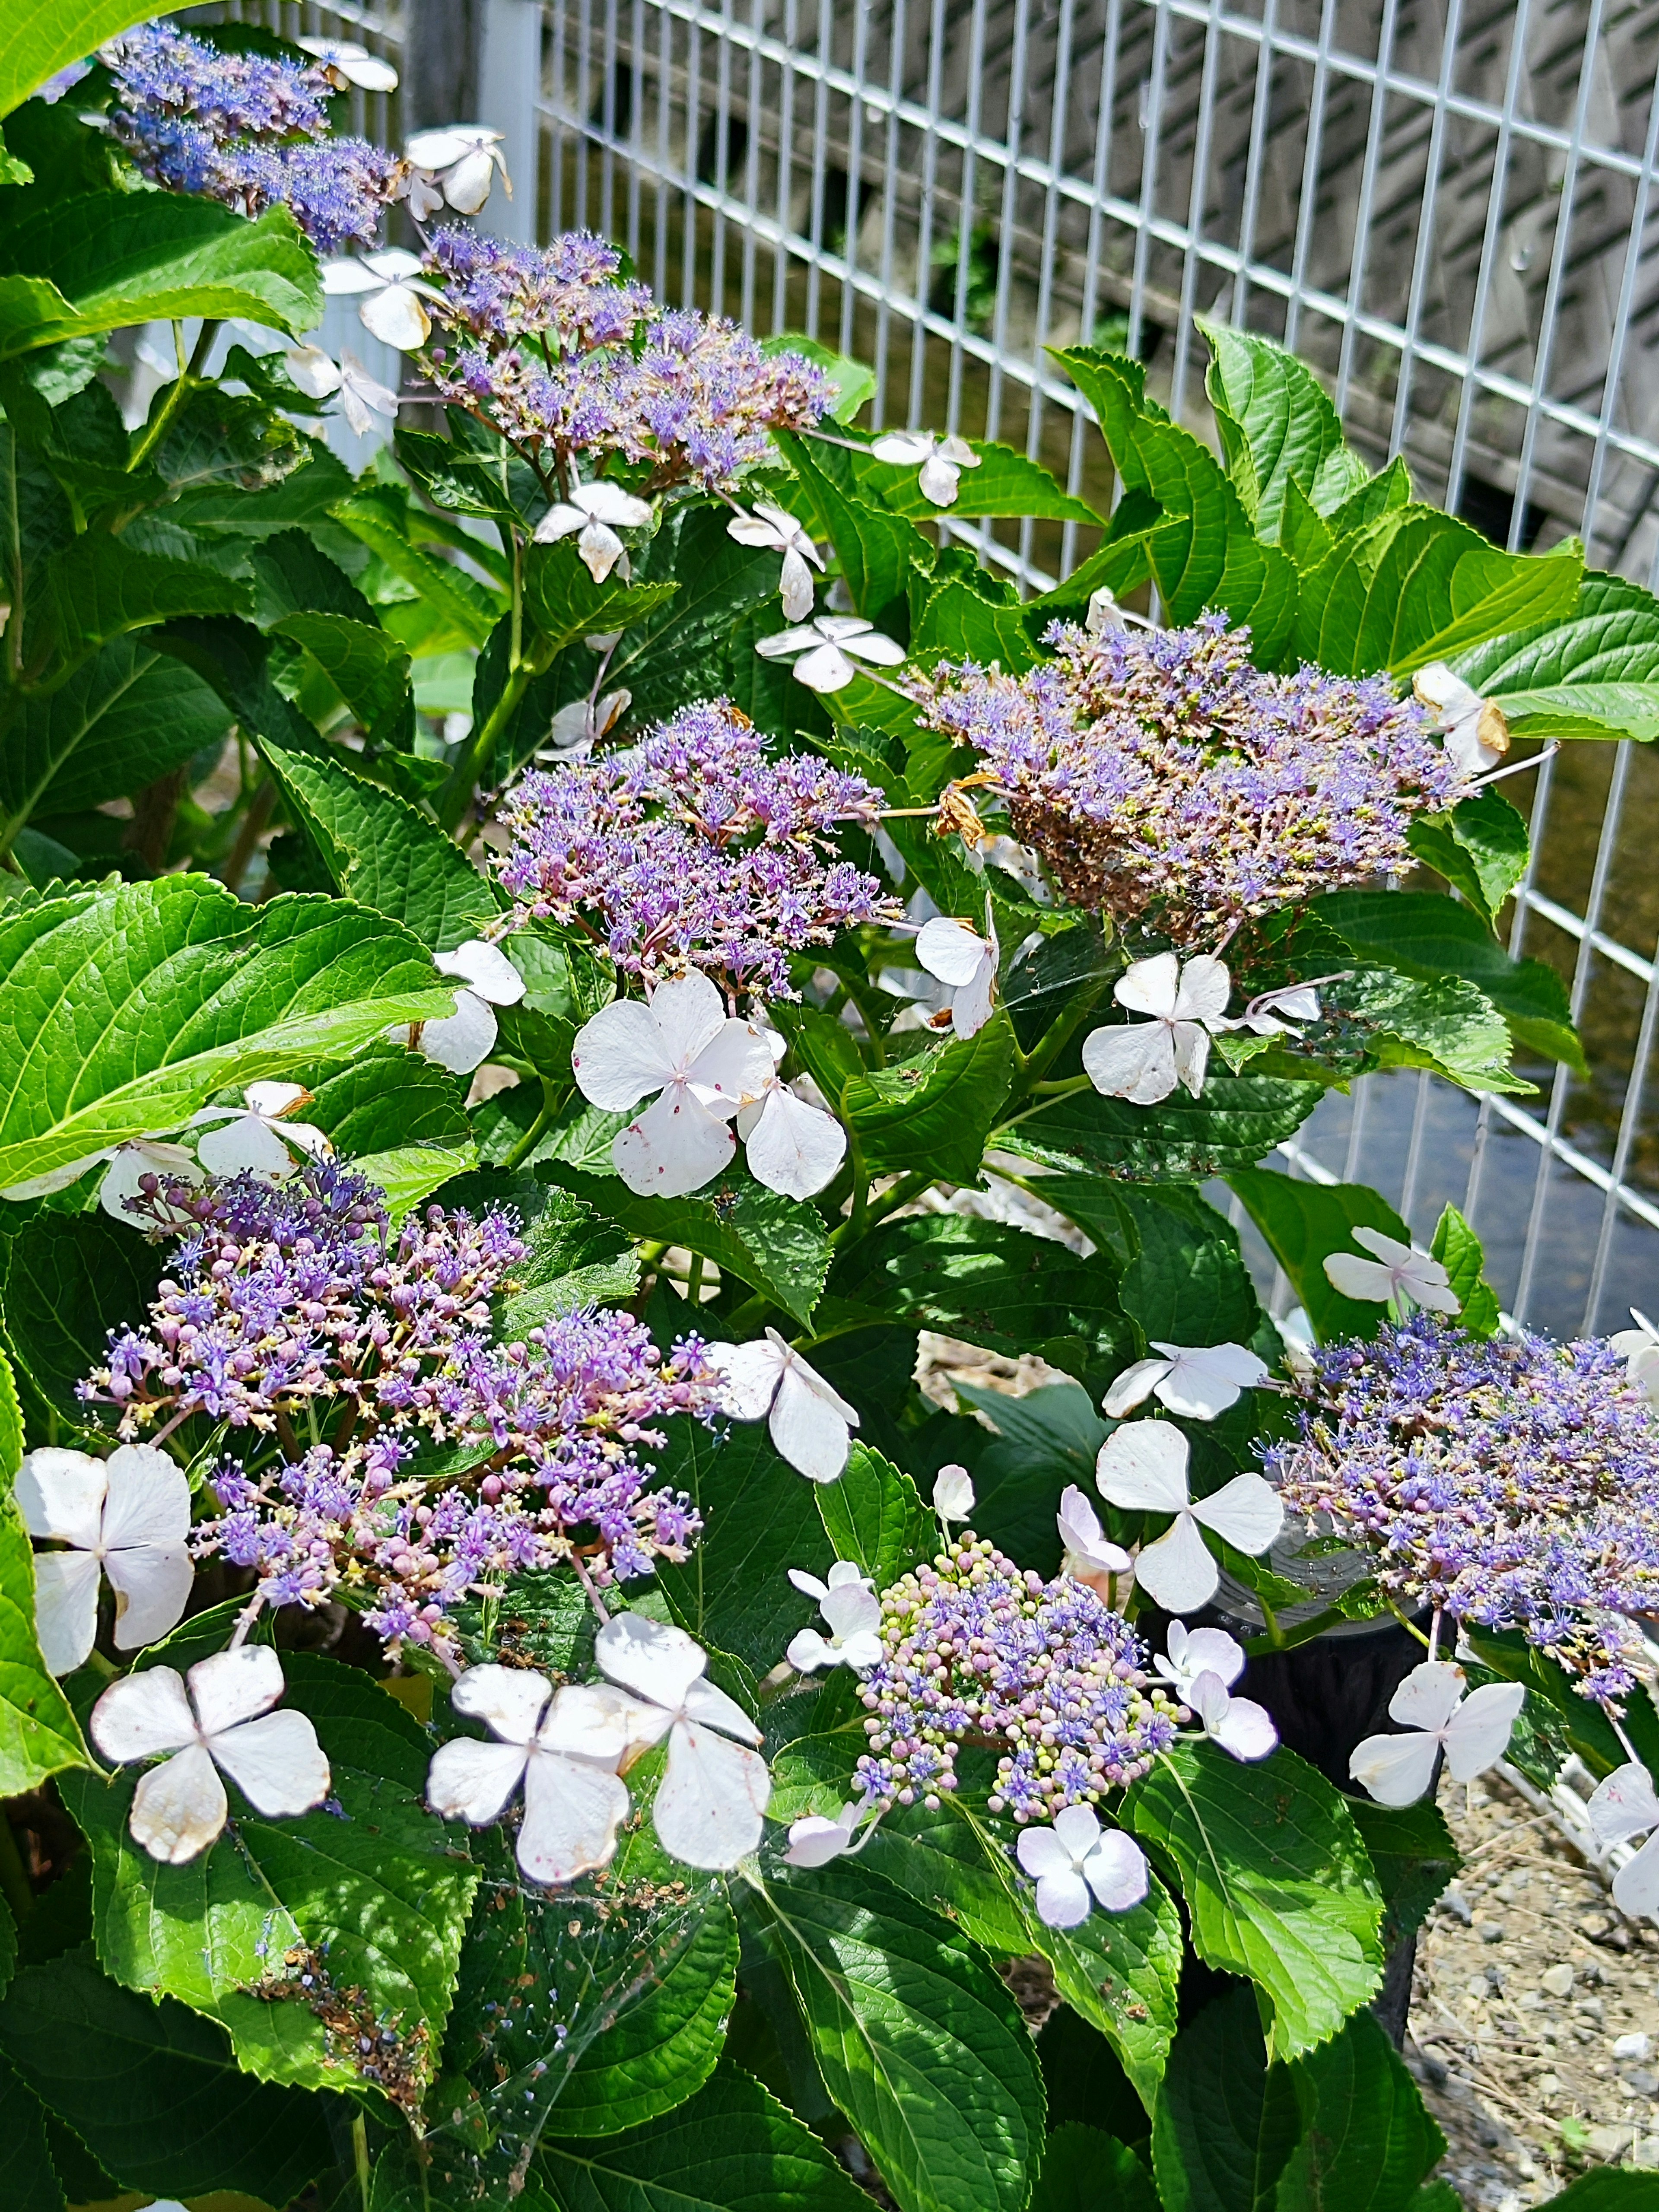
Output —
(509, 84)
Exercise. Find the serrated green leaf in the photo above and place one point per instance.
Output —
(564, 604)
(39, 1733)
(576, 1257)
(933, 1112)
(1006, 482)
(410, 1173)
(388, 1097)
(1187, 1283)
(1481, 846)
(368, 668)
(11, 1423)
(97, 588)
(1047, 1440)
(1413, 1854)
(1448, 1025)
(130, 1005)
(1226, 2122)
(1277, 1882)
(29, 2180)
(1302, 531)
(1604, 2189)
(1084, 2170)
(1367, 2142)
(1304, 1223)
(661, 2050)
(220, 437)
(1459, 1251)
(919, 2042)
(1590, 672)
(153, 2091)
(876, 548)
(1233, 1123)
(959, 624)
(36, 44)
(65, 1281)
(1278, 428)
(875, 1517)
(684, 651)
(377, 516)
(824, 1047)
(1388, 488)
(733, 2149)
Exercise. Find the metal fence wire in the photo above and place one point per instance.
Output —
(1447, 209)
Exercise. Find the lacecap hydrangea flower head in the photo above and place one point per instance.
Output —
(1511, 1481)
(1160, 774)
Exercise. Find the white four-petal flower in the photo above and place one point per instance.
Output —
(1623, 1805)
(455, 163)
(1198, 1380)
(942, 460)
(125, 1517)
(771, 526)
(225, 1722)
(814, 1840)
(953, 1492)
(767, 1380)
(821, 649)
(1473, 1732)
(1398, 1272)
(852, 1612)
(1076, 1867)
(362, 397)
(1190, 1652)
(1202, 1666)
(1142, 1467)
(1091, 1555)
(563, 1747)
(598, 511)
(1143, 1062)
(1638, 1348)
(258, 1136)
(791, 1145)
(700, 1063)
(461, 1041)
(714, 1792)
(1477, 731)
(958, 954)
(394, 293)
(129, 1162)
(348, 63)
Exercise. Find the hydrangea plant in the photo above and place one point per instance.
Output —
(509, 1692)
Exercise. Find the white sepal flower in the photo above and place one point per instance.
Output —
(347, 63)
(958, 954)
(700, 1063)
(1638, 1348)
(771, 526)
(1476, 729)
(579, 724)
(224, 1723)
(953, 1492)
(714, 1792)
(814, 1840)
(1197, 1380)
(138, 1157)
(455, 163)
(1076, 1867)
(394, 293)
(821, 650)
(791, 1145)
(463, 1040)
(809, 1422)
(1474, 1732)
(942, 460)
(125, 1517)
(563, 1747)
(852, 1612)
(1195, 1651)
(1623, 1805)
(1142, 1467)
(1274, 1013)
(362, 397)
(1091, 1555)
(1143, 1062)
(259, 1137)
(1399, 1271)
(598, 511)
(1239, 1725)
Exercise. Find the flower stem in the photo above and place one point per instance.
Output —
(553, 1097)
(153, 435)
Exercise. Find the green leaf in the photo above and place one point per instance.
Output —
(1590, 672)
(1226, 2122)
(1604, 2189)
(959, 624)
(733, 2149)
(97, 588)
(1207, 555)
(1427, 936)
(39, 1734)
(1389, 488)
(919, 2042)
(1277, 1882)
(410, 1173)
(853, 381)
(104, 260)
(1460, 1253)
(388, 1097)
(153, 2091)
(1047, 1440)
(1304, 1223)
(36, 42)
(1481, 846)
(874, 1517)
(1303, 532)
(29, 2180)
(771, 1243)
(1233, 1123)
(1367, 2142)
(685, 650)
(11, 1423)
(1278, 428)
(1005, 482)
(377, 1889)
(1188, 1283)
(220, 437)
(1449, 1025)
(1414, 1855)
(933, 1112)
(1418, 585)
(662, 2050)
(1084, 2170)
(366, 667)
(563, 602)
(65, 1281)
(130, 1005)
(378, 517)
(876, 548)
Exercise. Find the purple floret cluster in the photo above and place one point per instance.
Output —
(694, 848)
(980, 1651)
(566, 359)
(1159, 774)
(1512, 1482)
(389, 1452)
(248, 130)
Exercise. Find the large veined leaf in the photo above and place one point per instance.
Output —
(65, 1281)
(919, 2042)
(1187, 1283)
(958, 623)
(664, 2048)
(104, 260)
(564, 604)
(1277, 1882)
(685, 650)
(11, 1423)
(36, 42)
(128, 1006)
(733, 2149)
(378, 517)
(876, 548)
(153, 2091)
(364, 664)
(1418, 585)
(39, 1734)
(1232, 1122)
(1226, 2122)
(1304, 1223)
(1367, 2142)
(1207, 555)
(1481, 846)
(1278, 428)
(388, 1097)
(1593, 672)
(1411, 1850)
(97, 588)
(1448, 1024)
(933, 1111)
(28, 2179)
(1084, 2169)
(874, 1517)
(1044, 1443)
(377, 1888)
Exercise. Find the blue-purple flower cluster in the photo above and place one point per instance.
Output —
(1513, 1482)
(695, 848)
(343, 1355)
(248, 130)
(1159, 774)
(978, 1650)
(553, 348)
